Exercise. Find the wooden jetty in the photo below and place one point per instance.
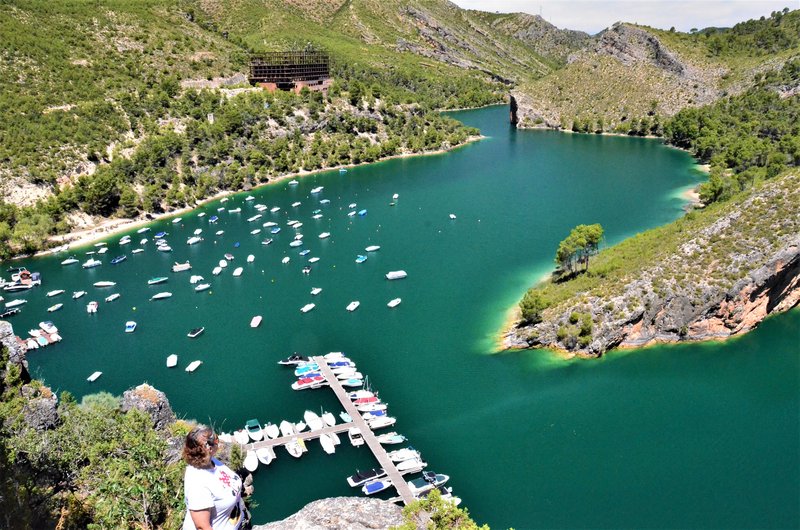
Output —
(371, 440)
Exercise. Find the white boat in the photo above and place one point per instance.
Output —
(396, 275)
(298, 224)
(286, 428)
(251, 461)
(194, 239)
(103, 250)
(235, 210)
(300, 426)
(329, 419)
(352, 205)
(164, 248)
(371, 407)
(452, 216)
(381, 421)
(285, 260)
(295, 447)
(143, 230)
(327, 444)
(222, 263)
(269, 224)
(216, 271)
(55, 307)
(219, 232)
(55, 292)
(352, 382)
(202, 287)
(172, 361)
(428, 481)
(313, 421)
(238, 271)
(345, 417)
(137, 250)
(91, 307)
(317, 189)
(254, 218)
(198, 231)
(315, 291)
(15, 303)
(241, 436)
(359, 394)
(275, 209)
(105, 284)
(130, 326)
(352, 306)
(177, 220)
(249, 198)
(362, 477)
(48, 327)
(193, 366)
(406, 453)
(395, 196)
(376, 486)
(373, 248)
(255, 231)
(250, 258)
(306, 308)
(254, 430)
(265, 455)
(124, 240)
(255, 321)
(91, 262)
(296, 243)
(271, 430)
(351, 213)
(296, 204)
(69, 261)
(354, 434)
(317, 216)
(394, 302)
(112, 297)
(94, 376)
(293, 183)
(391, 438)
(313, 260)
(195, 278)
(180, 267)
(161, 296)
(411, 465)
(324, 235)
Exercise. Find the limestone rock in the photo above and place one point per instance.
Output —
(16, 354)
(154, 402)
(40, 409)
(341, 513)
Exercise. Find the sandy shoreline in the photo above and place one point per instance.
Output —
(109, 227)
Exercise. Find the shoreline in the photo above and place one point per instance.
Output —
(109, 227)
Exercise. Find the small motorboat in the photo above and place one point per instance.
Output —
(103, 250)
(309, 382)
(329, 419)
(411, 465)
(195, 278)
(241, 436)
(92, 378)
(296, 243)
(91, 262)
(325, 235)
(395, 196)
(391, 438)
(157, 280)
(360, 394)
(293, 359)
(345, 417)
(316, 290)
(376, 486)
(160, 235)
(249, 198)
(251, 461)
(193, 240)
(394, 302)
(130, 326)
(362, 213)
(403, 454)
(55, 292)
(304, 252)
(267, 241)
(427, 481)
(306, 308)
(143, 230)
(91, 307)
(452, 216)
(271, 430)
(172, 361)
(286, 428)
(216, 271)
(295, 447)
(396, 275)
(254, 430)
(275, 209)
(70, 260)
(317, 216)
(177, 220)
(196, 332)
(255, 321)
(361, 258)
(313, 420)
(119, 259)
(235, 210)
(229, 256)
(355, 436)
(300, 426)
(254, 218)
(137, 250)
(255, 231)
(161, 295)
(306, 270)
(105, 284)
(325, 201)
(112, 297)
(373, 248)
(296, 204)
(180, 267)
(285, 260)
(352, 306)
(293, 183)
(193, 366)
(327, 443)
(380, 422)
(313, 260)
(317, 189)
(251, 258)
(54, 308)
(352, 205)
(213, 219)
(265, 455)
(238, 271)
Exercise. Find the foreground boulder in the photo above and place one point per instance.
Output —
(341, 513)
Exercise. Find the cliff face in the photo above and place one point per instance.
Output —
(720, 281)
(341, 513)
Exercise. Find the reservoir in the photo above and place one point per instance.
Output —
(671, 436)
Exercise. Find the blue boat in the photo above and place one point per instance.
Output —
(213, 219)
(375, 486)
(363, 212)
(275, 230)
(160, 235)
(119, 259)
(361, 258)
(304, 252)
(236, 245)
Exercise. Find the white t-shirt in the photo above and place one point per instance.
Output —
(217, 488)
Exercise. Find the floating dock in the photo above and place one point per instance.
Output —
(398, 482)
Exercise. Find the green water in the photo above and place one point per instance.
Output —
(699, 436)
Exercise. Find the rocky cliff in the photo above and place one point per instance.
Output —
(341, 513)
(714, 282)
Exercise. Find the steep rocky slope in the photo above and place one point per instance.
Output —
(718, 275)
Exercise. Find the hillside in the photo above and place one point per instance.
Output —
(634, 77)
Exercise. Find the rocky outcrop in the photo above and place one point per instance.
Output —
(544, 38)
(40, 410)
(16, 354)
(722, 281)
(154, 402)
(341, 513)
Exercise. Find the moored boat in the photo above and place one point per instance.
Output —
(55, 307)
(362, 477)
(265, 455)
(391, 438)
(238, 271)
(157, 280)
(70, 260)
(180, 267)
(394, 302)
(327, 443)
(286, 428)
(105, 284)
(361, 258)
(271, 430)
(196, 332)
(112, 297)
(396, 275)
(295, 447)
(161, 295)
(306, 308)
(254, 430)
(355, 436)
(119, 259)
(130, 326)
(172, 361)
(202, 287)
(92, 378)
(55, 292)
(91, 262)
(251, 461)
(376, 486)
(316, 290)
(324, 235)
(373, 248)
(293, 359)
(313, 420)
(91, 307)
(427, 481)
(193, 366)
(255, 321)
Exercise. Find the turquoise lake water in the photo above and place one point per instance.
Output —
(701, 436)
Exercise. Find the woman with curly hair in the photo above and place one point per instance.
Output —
(213, 492)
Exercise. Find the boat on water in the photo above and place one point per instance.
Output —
(161, 295)
(137, 250)
(412, 465)
(159, 235)
(193, 366)
(250, 258)
(317, 216)
(452, 216)
(306, 270)
(295, 447)
(275, 209)
(194, 240)
(92, 378)
(172, 361)
(309, 382)
(352, 306)
(371, 407)
(325, 201)
(241, 436)
(293, 359)
(345, 417)
(265, 455)
(157, 280)
(267, 241)
(164, 248)
(91, 262)
(255, 321)
(228, 256)
(376, 486)
(317, 189)
(327, 443)
(304, 252)
(177, 220)
(143, 230)
(313, 420)
(119, 259)
(238, 271)
(373, 248)
(296, 243)
(216, 271)
(180, 267)
(213, 219)
(361, 258)
(315, 291)
(196, 332)
(104, 284)
(285, 260)
(112, 297)
(324, 235)
(355, 436)
(391, 438)
(55, 292)
(362, 213)
(219, 232)
(360, 394)
(92, 306)
(271, 430)
(328, 418)
(274, 229)
(223, 263)
(396, 275)
(427, 481)
(255, 231)
(396, 196)
(381, 422)
(296, 204)
(9, 313)
(195, 278)
(286, 428)
(254, 430)
(251, 460)
(54, 308)
(124, 240)
(202, 287)
(306, 308)
(48, 327)
(405, 453)
(249, 198)
(394, 302)
(313, 260)
(293, 183)
(235, 210)
(254, 218)
(130, 326)
(352, 205)
(351, 213)
(70, 260)
(351, 382)
(103, 250)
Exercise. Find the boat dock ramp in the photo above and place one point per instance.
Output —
(396, 478)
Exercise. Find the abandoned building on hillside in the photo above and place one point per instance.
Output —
(291, 70)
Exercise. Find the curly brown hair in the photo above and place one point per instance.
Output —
(196, 451)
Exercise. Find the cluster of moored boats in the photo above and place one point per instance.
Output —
(45, 335)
